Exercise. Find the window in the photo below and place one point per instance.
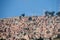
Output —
(34, 19)
(24, 34)
(40, 38)
(58, 20)
(23, 39)
(1, 30)
(2, 39)
(9, 35)
(48, 32)
(58, 36)
(58, 30)
(26, 28)
(2, 20)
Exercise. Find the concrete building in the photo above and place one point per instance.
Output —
(30, 28)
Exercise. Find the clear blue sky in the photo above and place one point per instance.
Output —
(11, 8)
(58, 5)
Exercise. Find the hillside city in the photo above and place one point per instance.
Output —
(23, 27)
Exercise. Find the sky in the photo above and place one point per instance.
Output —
(58, 4)
(11, 8)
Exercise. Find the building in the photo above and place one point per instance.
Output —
(30, 28)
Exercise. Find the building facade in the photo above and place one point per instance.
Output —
(30, 28)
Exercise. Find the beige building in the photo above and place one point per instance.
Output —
(29, 28)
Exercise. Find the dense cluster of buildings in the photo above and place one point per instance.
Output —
(30, 28)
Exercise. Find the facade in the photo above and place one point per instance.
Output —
(29, 28)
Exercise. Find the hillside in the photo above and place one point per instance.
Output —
(29, 28)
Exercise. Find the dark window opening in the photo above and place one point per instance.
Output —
(34, 23)
(2, 20)
(23, 39)
(50, 38)
(58, 36)
(34, 19)
(7, 24)
(40, 38)
(5, 29)
(34, 32)
(13, 37)
(2, 39)
(24, 34)
(9, 35)
(26, 28)
(1, 30)
(48, 32)
(58, 30)
(58, 20)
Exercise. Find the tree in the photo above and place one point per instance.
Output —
(47, 13)
(58, 13)
(30, 18)
(23, 14)
(52, 13)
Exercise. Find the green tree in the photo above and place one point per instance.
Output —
(58, 13)
(23, 14)
(47, 13)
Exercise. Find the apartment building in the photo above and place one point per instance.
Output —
(30, 28)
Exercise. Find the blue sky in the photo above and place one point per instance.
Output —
(11, 8)
(58, 5)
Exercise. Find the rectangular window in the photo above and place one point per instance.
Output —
(58, 30)
(57, 20)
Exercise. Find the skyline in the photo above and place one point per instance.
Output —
(11, 8)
